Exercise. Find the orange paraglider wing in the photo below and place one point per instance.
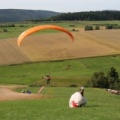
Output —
(42, 27)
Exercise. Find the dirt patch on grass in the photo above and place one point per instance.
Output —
(7, 93)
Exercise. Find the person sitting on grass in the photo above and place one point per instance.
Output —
(77, 99)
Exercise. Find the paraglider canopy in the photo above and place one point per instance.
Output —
(42, 27)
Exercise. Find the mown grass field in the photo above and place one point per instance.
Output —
(15, 31)
(101, 105)
(63, 73)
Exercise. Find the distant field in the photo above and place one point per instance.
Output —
(53, 45)
(56, 46)
(14, 32)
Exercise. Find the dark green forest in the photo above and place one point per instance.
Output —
(19, 15)
(91, 15)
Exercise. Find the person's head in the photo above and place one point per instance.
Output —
(82, 91)
(82, 88)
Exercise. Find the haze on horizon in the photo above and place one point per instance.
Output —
(61, 5)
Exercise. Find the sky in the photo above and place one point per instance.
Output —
(61, 5)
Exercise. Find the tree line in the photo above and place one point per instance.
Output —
(92, 15)
(109, 80)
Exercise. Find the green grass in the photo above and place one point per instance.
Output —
(16, 31)
(101, 105)
(63, 73)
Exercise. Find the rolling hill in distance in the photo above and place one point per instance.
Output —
(17, 15)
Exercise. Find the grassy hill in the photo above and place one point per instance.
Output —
(100, 106)
(17, 15)
(63, 73)
(51, 45)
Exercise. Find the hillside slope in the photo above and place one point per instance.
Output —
(10, 53)
(17, 15)
(57, 46)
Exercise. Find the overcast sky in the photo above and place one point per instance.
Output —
(61, 5)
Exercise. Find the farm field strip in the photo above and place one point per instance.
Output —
(110, 38)
(56, 46)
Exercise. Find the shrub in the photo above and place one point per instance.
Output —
(109, 26)
(100, 80)
(97, 27)
(5, 30)
(88, 27)
(73, 29)
(73, 85)
(116, 26)
(113, 78)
